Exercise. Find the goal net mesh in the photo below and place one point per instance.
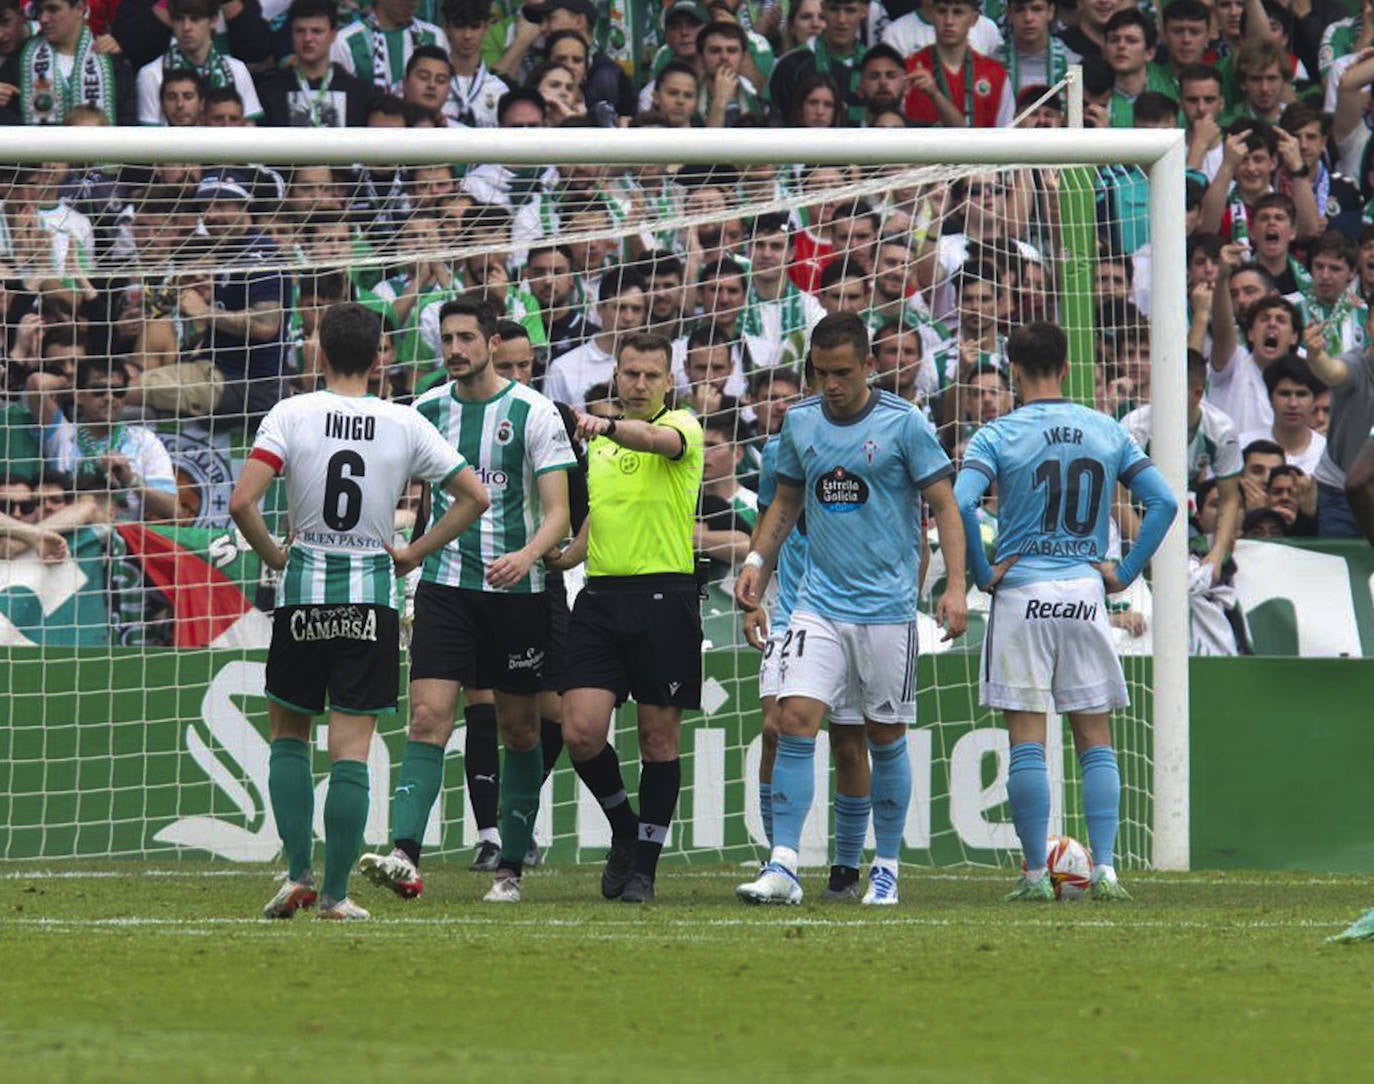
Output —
(154, 312)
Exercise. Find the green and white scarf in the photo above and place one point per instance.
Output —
(1056, 63)
(215, 71)
(46, 98)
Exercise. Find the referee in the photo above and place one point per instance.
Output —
(636, 626)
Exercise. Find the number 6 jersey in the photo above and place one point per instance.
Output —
(346, 461)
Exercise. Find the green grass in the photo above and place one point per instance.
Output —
(120, 972)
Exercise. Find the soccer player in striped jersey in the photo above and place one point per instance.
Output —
(859, 461)
(481, 615)
(346, 457)
(1048, 644)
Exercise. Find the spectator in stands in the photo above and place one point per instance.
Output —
(224, 109)
(620, 311)
(975, 341)
(242, 314)
(775, 309)
(181, 98)
(1263, 71)
(14, 29)
(1251, 152)
(607, 90)
(723, 292)
(843, 288)
(1273, 328)
(549, 279)
(1262, 524)
(706, 370)
(1328, 298)
(316, 91)
(1186, 33)
(805, 20)
(727, 511)
(1352, 415)
(557, 86)
(193, 46)
(674, 95)
(1031, 55)
(836, 52)
(989, 395)
(1259, 458)
(882, 81)
(1088, 37)
(377, 47)
(475, 90)
(725, 93)
(42, 233)
(1130, 44)
(815, 104)
(127, 462)
(953, 85)
(1200, 96)
(682, 21)
(427, 77)
(1293, 495)
(39, 92)
(900, 363)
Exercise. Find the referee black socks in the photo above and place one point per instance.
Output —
(602, 775)
(659, 783)
(551, 741)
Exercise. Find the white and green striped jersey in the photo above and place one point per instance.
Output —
(380, 56)
(510, 440)
(346, 461)
(1213, 446)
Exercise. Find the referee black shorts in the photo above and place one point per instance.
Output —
(349, 652)
(556, 595)
(481, 639)
(637, 636)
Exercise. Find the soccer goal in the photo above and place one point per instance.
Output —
(164, 287)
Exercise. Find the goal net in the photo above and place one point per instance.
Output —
(156, 309)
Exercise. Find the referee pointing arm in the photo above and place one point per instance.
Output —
(636, 626)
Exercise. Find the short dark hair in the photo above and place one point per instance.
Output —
(647, 342)
(675, 67)
(760, 379)
(203, 9)
(1187, 11)
(721, 29)
(350, 337)
(726, 267)
(1151, 107)
(841, 329)
(313, 9)
(1299, 115)
(88, 368)
(617, 280)
(385, 105)
(466, 12)
(514, 97)
(220, 95)
(510, 329)
(1132, 17)
(890, 329)
(707, 334)
(1259, 135)
(1276, 201)
(1264, 304)
(724, 420)
(1261, 447)
(1209, 244)
(1039, 349)
(1196, 369)
(428, 52)
(473, 305)
(1291, 367)
(1336, 244)
(1197, 73)
(183, 75)
(882, 51)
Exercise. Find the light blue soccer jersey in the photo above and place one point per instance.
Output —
(792, 559)
(862, 479)
(1056, 465)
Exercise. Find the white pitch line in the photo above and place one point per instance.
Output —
(652, 927)
(917, 873)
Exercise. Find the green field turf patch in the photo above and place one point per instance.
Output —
(126, 972)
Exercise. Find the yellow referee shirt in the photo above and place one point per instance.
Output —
(643, 507)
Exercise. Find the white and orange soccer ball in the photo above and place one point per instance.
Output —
(1070, 866)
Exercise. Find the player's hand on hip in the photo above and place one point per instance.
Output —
(509, 569)
(747, 588)
(406, 559)
(1110, 580)
(755, 625)
(998, 571)
(952, 613)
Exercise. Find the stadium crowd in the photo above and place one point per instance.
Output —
(140, 300)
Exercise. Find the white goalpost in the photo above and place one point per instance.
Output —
(140, 811)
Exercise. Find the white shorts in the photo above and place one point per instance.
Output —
(1048, 647)
(768, 664)
(857, 671)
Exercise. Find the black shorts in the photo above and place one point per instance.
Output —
(637, 636)
(556, 594)
(352, 652)
(482, 639)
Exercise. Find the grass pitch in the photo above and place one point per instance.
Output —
(123, 972)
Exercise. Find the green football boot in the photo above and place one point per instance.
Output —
(1028, 891)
